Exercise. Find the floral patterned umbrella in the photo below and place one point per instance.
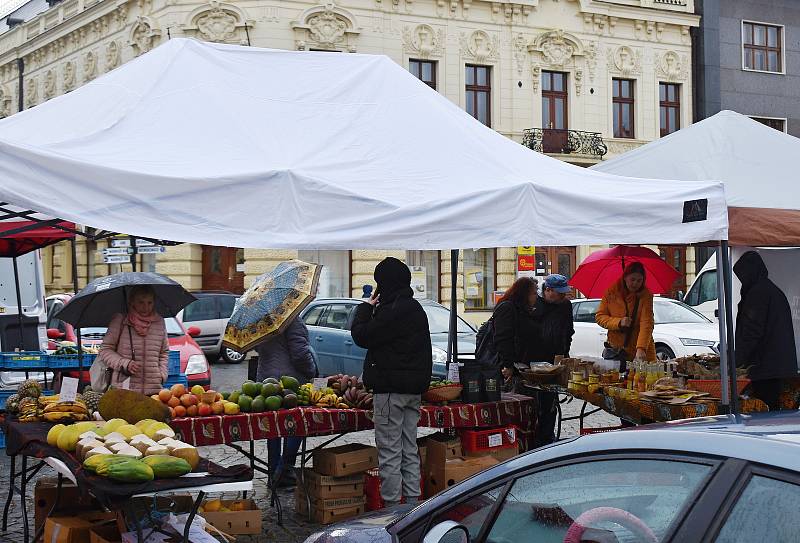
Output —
(271, 303)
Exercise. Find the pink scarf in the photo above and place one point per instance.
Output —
(141, 323)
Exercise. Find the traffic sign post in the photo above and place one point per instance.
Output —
(124, 250)
(116, 259)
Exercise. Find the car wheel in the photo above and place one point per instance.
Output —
(230, 356)
(664, 353)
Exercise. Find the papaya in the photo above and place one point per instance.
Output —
(53, 433)
(93, 462)
(187, 452)
(127, 471)
(165, 466)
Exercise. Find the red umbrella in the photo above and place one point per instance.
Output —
(603, 268)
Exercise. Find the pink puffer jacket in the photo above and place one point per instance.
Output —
(150, 350)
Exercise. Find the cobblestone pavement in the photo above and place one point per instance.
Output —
(295, 528)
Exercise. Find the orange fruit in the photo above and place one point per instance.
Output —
(179, 411)
(218, 408)
(174, 401)
(164, 395)
(178, 390)
(188, 399)
(191, 411)
(204, 410)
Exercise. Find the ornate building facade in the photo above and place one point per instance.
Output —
(577, 79)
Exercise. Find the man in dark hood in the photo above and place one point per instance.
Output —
(764, 340)
(393, 327)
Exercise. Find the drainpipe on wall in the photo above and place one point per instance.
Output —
(21, 70)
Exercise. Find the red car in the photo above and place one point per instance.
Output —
(193, 361)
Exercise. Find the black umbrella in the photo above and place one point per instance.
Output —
(103, 297)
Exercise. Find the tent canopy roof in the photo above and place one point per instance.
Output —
(18, 242)
(248, 147)
(755, 162)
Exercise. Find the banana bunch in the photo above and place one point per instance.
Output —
(320, 399)
(29, 410)
(358, 398)
(57, 411)
(352, 391)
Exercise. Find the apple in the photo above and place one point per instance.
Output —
(178, 390)
(164, 395)
(204, 410)
(217, 408)
(191, 411)
(188, 399)
(174, 401)
(197, 390)
(179, 410)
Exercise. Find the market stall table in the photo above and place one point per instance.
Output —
(29, 440)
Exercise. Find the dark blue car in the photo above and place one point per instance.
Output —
(329, 321)
(717, 479)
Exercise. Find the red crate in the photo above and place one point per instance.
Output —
(487, 440)
(372, 488)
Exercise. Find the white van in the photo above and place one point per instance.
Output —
(702, 295)
(34, 312)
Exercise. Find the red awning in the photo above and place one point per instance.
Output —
(18, 243)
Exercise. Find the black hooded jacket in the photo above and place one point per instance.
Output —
(395, 334)
(764, 333)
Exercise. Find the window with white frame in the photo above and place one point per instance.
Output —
(479, 278)
(762, 47)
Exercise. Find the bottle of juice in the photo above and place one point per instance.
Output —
(642, 378)
(631, 384)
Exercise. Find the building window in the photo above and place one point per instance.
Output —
(622, 92)
(554, 100)
(426, 271)
(777, 124)
(479, 92)
(479, 278)
(669, 101)
(761, 47)
(335, 278)
(424, 70)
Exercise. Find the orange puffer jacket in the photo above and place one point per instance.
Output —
(150, 351)
(611, 311)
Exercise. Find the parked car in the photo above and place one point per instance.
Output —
(724, 479)
(679, 330)
(210, 313)
(193, 361)
(329, 321)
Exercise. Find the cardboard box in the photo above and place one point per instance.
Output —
(499, 454)
(440, 448)
(423, 450)
(71, 499)
(329, 516)
(243, 522)
(345, 460)
(326, 486)
(330, 503)
(76, 528)
(105, 534)
(454, 471)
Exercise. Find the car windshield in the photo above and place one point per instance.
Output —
(439, 320)
(97, 332)
(669, 312)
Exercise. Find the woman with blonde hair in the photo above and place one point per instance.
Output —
(136, 345)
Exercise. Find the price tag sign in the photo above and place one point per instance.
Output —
(126, 384)
(69, 389)
(495, 440)
(452, 373)
(319, 383)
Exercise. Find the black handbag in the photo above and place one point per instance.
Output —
(618, 353)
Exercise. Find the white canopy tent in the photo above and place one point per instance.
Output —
(246, 147)
(755, 162)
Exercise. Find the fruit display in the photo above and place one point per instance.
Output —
(223, 506)
(92, 399)
(71, 348)
(131, 406)
(352, 391)
(270, 395)
(196, 402)
(50, 409)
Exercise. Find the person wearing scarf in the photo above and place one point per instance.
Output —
(393, 327)
(136, 345)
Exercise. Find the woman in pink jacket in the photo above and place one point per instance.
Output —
(136, 345)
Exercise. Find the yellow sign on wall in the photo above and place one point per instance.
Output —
(526, 250)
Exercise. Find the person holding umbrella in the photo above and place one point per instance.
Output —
(626, 311)
(136, 345)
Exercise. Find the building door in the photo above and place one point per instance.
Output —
(675, 256)
(555, 260)
(223, 269)
(554, 112)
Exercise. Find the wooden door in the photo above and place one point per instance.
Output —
(675, 256)
(554, 112)
(223, 269)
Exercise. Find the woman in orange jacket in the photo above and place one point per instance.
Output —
(617, 308)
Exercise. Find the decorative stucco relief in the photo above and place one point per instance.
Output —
(326, 27)
(423, 41)
(219, 22)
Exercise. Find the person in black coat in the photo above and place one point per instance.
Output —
(764, 340)
(393, 327)
(533, 328)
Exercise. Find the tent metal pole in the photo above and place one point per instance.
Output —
(74, 247)
(19, 297)
(452, 338)
(725, 391)
(727, 276)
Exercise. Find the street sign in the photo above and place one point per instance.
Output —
(150, 250)
(121, 242)
(116, 259)
(144, 243)
(116, 251)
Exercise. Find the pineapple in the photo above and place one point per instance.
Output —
(12, 404)
(92, 400)
(30, 388)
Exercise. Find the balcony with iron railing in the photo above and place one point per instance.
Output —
(575, 143)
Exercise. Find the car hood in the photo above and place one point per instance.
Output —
(698, 330)
(369, 528)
